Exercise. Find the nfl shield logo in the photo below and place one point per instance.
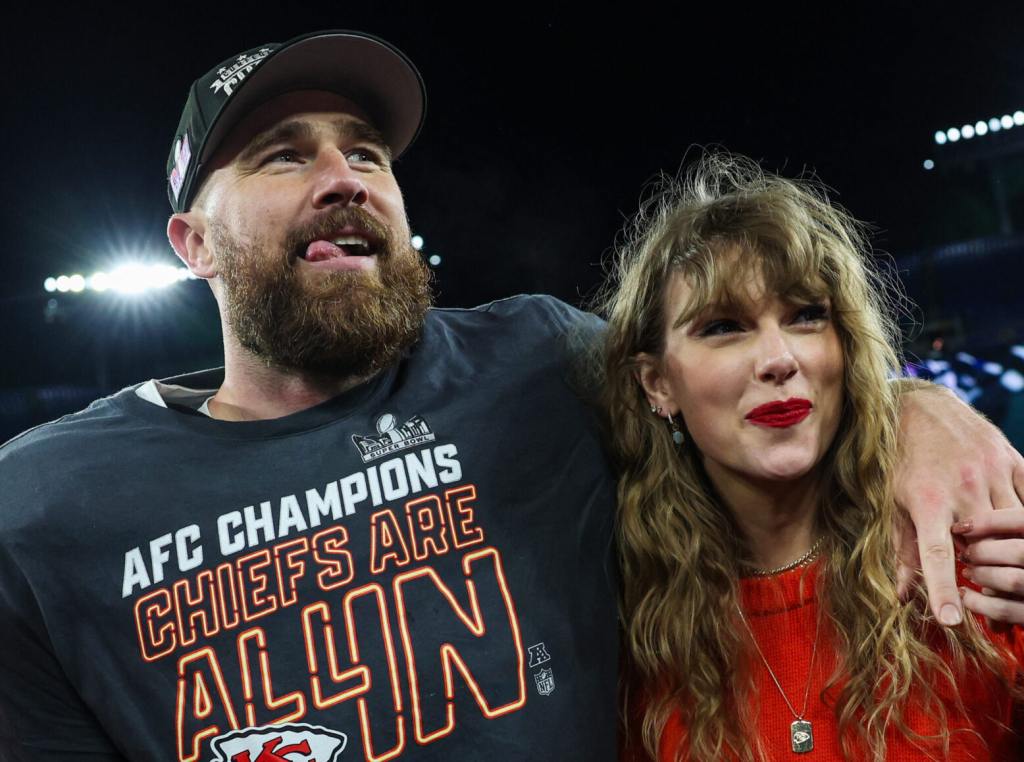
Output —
(545, 680)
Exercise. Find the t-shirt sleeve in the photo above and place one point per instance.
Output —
(41, 715)
(574, 336)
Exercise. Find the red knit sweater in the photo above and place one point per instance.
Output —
(782, 612)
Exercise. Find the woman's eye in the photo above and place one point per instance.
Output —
(812, 313)
(720, 327)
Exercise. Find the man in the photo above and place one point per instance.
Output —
(380, 531)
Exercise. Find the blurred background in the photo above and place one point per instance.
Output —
(545, 123)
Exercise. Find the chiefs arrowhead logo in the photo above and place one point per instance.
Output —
(280, 743)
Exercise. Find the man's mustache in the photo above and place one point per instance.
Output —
(330, 223)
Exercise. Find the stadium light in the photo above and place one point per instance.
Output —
(417, 242)
(929, 164)
(979, 128)
(1012, 380)
(128, 278)
(434, 259)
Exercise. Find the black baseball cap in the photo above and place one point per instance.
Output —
(367, 70)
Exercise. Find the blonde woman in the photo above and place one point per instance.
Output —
(748, 353)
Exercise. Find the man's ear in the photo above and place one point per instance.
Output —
(650, 376)
(187, 233)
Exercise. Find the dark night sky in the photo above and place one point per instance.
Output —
(544, 123)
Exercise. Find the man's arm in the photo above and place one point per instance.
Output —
(953, 465)
(42, 717)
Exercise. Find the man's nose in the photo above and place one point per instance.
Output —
(776, 363)
(337, 183)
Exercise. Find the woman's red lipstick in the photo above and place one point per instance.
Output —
(781, 413)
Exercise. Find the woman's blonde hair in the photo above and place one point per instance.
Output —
(681, 552)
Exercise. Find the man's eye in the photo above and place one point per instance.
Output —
(364, 156)
(720, 327)
(284, 156)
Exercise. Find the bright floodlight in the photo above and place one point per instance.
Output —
(129, 278)
(994, 125)
(980, 127)
(992, 368)
(953, 134)
(417, 242)
(434, 259)
(1017, 350)
(967, 131)
(940, 137)
(1018, 118)
(99, 281)
(1013, 381)
(929, 164)
(1006, 121)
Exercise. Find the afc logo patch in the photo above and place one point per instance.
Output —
(538, 655)
(280, 743)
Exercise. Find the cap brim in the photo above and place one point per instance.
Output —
(370, 72)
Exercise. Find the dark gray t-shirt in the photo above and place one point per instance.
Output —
(420, 568)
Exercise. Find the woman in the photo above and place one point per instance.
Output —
(747, 355)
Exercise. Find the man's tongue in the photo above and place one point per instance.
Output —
(319, 251)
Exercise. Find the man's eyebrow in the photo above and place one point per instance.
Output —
(298, 130)
(363, 132)
(282, 133)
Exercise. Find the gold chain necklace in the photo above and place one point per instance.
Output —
(805, 558)
(801, 736)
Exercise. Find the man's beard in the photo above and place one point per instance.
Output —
(342, 324)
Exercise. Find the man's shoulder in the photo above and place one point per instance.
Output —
(535, 315)
(69, 433)
(520, 339)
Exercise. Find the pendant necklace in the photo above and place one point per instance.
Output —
(801, 736)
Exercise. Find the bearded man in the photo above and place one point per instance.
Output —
(380, 531)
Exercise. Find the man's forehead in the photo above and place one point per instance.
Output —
(294, 112)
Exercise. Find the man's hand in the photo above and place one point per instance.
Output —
(995, 558)
(953, 465)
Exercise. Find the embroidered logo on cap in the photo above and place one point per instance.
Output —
(230, 77)
(182, 156)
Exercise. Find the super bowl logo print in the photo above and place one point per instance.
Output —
(391, 437)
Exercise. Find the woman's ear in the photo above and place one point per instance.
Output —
(650, 376)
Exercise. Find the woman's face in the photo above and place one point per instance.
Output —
(759, 385)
